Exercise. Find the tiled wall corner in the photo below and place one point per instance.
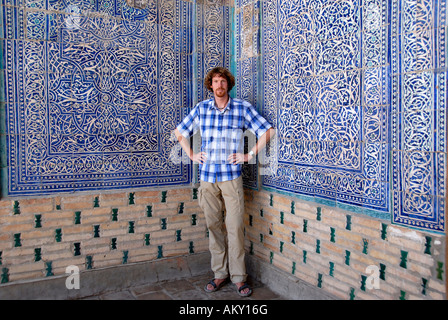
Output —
(349, 94)
(350, 264)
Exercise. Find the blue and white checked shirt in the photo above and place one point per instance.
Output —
(222, 134)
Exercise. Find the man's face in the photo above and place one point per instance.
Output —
(219, 86)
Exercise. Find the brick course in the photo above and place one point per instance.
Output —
(311, 242)
(128, 232)
(325, 264)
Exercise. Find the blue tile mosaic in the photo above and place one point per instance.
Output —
(357, 92)
(93, 92)
(418, 113)
(246, 40)
(332, 143)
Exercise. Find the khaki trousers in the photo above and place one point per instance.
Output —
(227, 252)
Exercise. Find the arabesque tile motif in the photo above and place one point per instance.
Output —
(356, 90)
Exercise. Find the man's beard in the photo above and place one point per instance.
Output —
(220, 93)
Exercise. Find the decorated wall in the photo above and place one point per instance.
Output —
(353, 189)
(357, 92)
(91, 173)
(94, 89)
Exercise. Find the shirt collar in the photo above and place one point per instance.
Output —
(213, 105)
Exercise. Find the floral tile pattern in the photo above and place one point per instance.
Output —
(418, 113)
(323, 91)
(357, 92)
(93, 92)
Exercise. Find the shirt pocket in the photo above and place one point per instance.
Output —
(236, 122)
(233, 136)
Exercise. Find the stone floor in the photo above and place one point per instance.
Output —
(191, 288)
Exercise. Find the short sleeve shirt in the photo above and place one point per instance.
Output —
(222, 134)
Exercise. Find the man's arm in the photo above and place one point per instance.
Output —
(261, 143)
(185, 144)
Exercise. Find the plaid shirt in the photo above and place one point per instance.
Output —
(222, 134)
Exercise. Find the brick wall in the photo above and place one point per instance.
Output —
(40, 237)
(339, 252)
(343, 252)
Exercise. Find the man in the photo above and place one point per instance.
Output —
(221, 122)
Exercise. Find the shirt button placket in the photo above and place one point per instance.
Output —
(219, 130)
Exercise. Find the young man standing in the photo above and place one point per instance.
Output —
(221, 122)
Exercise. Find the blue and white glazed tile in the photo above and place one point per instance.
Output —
(348, 86)
(100, 93)
(356, 90)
